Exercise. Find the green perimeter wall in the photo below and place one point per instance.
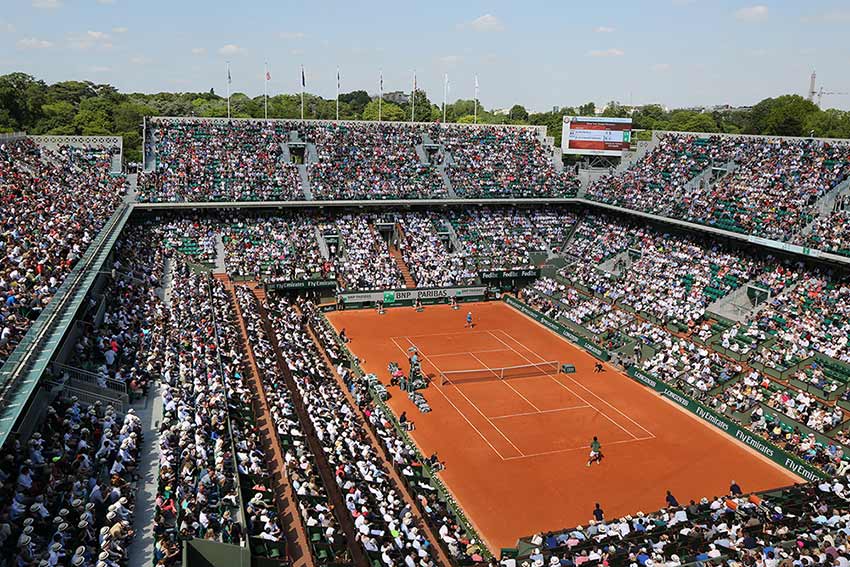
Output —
(762, 446)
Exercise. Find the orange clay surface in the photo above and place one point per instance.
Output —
(516, 450)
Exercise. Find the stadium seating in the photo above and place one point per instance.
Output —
(214, 161)
(54, 202)
(500, 161)
(369, 161)
(761, 186)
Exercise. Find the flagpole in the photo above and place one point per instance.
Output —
(337, 94)
(266, 92)
(475, 119)
(445, 94)
(228, 90)
(413, 98)
(380, 92)
(303, 81)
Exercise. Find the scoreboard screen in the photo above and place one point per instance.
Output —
(596, 136)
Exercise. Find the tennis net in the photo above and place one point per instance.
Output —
(550, 368)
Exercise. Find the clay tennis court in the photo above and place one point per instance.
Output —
(516, 449)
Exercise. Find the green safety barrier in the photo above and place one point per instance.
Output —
(562, 330)
(764, 447)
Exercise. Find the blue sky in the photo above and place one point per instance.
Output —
(540, 54)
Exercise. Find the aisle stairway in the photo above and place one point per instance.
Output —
(296, 535)
(402, 265)
(399, 259)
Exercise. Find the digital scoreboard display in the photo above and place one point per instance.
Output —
(596, 136)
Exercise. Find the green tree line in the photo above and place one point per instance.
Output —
(87, 108)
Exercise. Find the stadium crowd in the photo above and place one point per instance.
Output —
(362, 260)
(501, 161)
(385, 526)
(802, 526)
(279, 247)
(762, 186)
(54, 202)
(203, 160)
(369, 161)
(428, 256)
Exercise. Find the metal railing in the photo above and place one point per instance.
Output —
(20, 374)
(88, 397)
(88, 377)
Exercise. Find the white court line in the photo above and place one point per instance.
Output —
(556, 451)
(582, 386)
(431, 362)
(538, 412)
(561, 384)
(505, 382)
(463, 415)
(469, 352)
(446, 334)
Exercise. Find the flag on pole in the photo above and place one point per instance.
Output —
(475, 101)
(229, 80)
(303, 78)
(337, 79)
(337, 93)
(266, 92)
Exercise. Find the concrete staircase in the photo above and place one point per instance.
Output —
(453, 237)
(447, 183)
(823, 208)
(115, 166)
(395, 252)
(323, 246)
(132, 194)
(422, 154)
(285, 155)
(305, 182)
(220, 267)
(311, 154)
(150, 156)
(402, 266)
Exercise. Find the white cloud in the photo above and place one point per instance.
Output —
(120, 30)
(97, 69)
(90, 40)
(46, 4)
(603, 29)
(33, 43)
(6, 27)
(289, 36)
(754, 13)
(231, 49)
(141, 60)
(486, 23)
(661, 67)
(613, 52)
(199, 51)
(450, 59)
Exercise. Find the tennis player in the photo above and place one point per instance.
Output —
(469, 322)
(596, 455)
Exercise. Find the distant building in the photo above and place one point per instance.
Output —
(397, 97)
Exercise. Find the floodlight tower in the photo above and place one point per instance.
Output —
(812, 91)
